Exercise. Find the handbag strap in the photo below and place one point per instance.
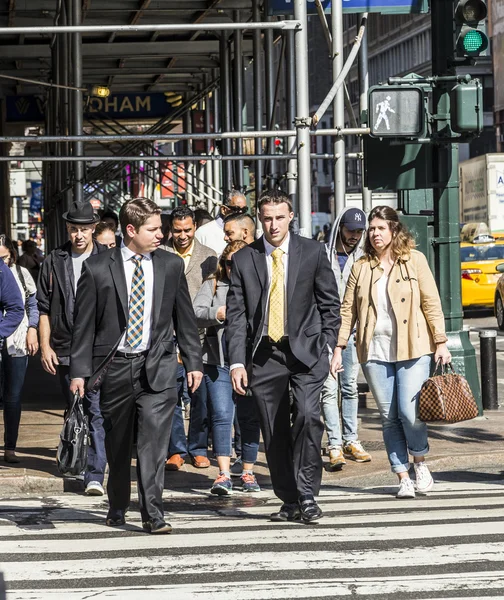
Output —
(443, 368)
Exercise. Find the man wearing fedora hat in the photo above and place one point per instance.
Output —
(57, 285)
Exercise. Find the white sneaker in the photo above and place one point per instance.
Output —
(406, 489)
(424, 481)
(94, 488)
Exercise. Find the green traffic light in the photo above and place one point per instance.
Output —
(473, 41)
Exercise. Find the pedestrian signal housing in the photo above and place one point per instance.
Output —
(467, 107)
(471, 39)
(397, 111)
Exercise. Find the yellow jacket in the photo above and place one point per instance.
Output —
(415, 302)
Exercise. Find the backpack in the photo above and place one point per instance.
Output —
(73, 447)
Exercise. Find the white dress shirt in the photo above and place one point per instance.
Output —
(269, 266)
(129, 269)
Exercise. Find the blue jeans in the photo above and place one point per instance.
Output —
(196, 443)
(396, 389)
(14, 371)
(349, 400)
(97, 458)
(219, 399)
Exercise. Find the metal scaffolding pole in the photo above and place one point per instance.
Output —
(238, 99)
(175, 137)
(258, 99)
(162, 27)
(225, 98)
(338, 109)
(75, 7)
(367, 202)
(270, 101)
(190, 166)
(216, 165)
(290, 87)
(303, 120)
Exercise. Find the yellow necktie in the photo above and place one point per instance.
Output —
(276, 299)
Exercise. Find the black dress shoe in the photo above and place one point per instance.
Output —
(310, 510)
(115, 518)
(287, 512)
(156, 527)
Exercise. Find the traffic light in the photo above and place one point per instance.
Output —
(174, 99)
(471, 38)
(466, 113)
(397, 111)
(279, 146)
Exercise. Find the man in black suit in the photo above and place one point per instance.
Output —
(129, 302)
(282, 317)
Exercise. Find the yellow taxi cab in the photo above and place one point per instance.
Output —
(480, 255)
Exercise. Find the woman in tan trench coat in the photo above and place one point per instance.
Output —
(392, 299)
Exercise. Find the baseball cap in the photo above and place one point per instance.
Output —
(354, 218)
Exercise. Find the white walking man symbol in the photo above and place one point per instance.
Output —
(382, 108)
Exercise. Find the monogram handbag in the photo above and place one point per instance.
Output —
(446, 398)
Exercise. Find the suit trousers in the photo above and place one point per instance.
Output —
(125, 398)
(292, 434)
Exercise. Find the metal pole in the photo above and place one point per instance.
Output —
(238, 98)
(189, 167)
(303, 120)
(77, 105)
(338, 109)
(291, 115)
(270, 99)
(258, 99)
(225, 85)
(167, 27)
(64, 108)
(488, 358)
(367, 201)
(175, 137)
(216, 165)
(445, 188)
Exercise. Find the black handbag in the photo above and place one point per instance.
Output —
(73, 447)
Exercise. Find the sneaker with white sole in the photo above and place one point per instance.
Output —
(336, 459)
(406, 489)
(94, 488)
(355, 451)
(424, 481)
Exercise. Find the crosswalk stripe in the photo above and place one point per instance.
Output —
(449, 544)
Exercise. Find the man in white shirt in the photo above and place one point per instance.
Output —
(282, 317)
(128, 301)
(212, 234)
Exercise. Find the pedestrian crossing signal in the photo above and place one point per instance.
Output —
(396, 111)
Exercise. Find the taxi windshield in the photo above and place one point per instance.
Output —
(482, 252)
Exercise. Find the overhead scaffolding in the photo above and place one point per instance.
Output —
(219, 89)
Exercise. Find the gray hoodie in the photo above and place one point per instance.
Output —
(342, 276)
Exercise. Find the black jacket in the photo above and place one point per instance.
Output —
(313, 318)
(101, 317)
(56, 295)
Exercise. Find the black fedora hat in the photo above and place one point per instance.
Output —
(81, 213)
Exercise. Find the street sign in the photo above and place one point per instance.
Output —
(396, 111)
(286, 7)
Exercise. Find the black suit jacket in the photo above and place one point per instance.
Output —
(101, 317)
(313, 304)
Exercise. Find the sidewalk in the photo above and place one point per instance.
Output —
(470, 445)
